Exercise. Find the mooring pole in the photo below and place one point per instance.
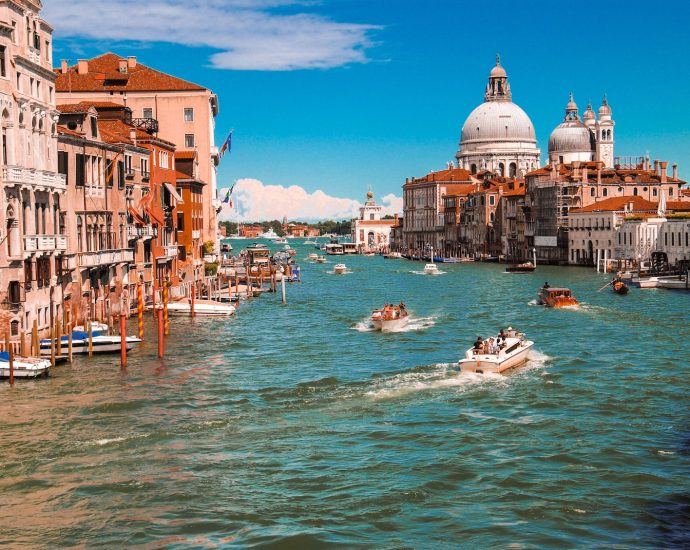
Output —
(160, 333)
(123, 341)
(11, 358)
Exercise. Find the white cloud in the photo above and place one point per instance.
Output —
(249, 34)
(255, 201)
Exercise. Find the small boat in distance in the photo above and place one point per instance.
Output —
(393, 256)
(390, 317)
(339, 269)
(334, 249)
(505, 351)
(527, 267)
(270, 234)
(431, 269)
(23, 367)
(320, 260)
(556, 297)
(313, 256)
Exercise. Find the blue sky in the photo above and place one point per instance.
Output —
(341, 95)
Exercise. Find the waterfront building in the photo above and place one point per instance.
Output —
(369, 231)
(32, 242)
(577, 140)
(423, 207)
(190, 215)
(629, 229)
(498, 135)
(555, 189)
(251, 231)
(511, 222)
(168, 107)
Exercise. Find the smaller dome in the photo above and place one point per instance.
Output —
(589, 113)
(571, 136)
(571, 106)
(498, 71)
(370, 195)
(605, 108)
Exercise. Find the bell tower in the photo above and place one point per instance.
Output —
(604, 134)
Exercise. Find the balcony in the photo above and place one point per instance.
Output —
(42, 180)
(139, 232)
(149, 125)
(105, 257)
(169, 252)
(45, 243)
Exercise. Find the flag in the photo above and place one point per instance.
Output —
(227, 146)
(227, 196)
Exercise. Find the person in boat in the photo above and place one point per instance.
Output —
(478, 344)
(546, 285)
(402, 305)
(493, 348)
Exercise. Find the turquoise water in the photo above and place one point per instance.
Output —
(294, 426)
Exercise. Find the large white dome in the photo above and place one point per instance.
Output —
(495, 122)
(571, 136)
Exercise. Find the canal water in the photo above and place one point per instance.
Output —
(295, 426)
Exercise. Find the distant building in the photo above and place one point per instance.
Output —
(369, 231)
(251, 231)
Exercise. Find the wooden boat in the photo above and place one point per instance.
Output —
(512, 352)
(339, 269)
(527, 267)
(619, 287)
(101, 343)
(556, 297)
(390, 317)
(431, 269)
(23, 367)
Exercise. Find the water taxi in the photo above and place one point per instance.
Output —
(334, 249)
(556, 297)
(527, 267)
(349, 248)
(390, 317)
(23, 367)
(431, 269)
(339, 269)
(101, 343)
(505, 351)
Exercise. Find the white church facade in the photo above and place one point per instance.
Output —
(369, 231)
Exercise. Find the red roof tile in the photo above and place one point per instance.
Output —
(615, 204)
(104, 74)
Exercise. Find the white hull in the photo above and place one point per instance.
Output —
(201, 307)
(390, 325)
(483, 363)
(431, 269)
(675, 283)
(95, 327)
(100, 344)
(340, 269)
(25, 367)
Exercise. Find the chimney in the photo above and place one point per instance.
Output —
(656, 166)
(663, 166)
(122, 65)
(584, 173)
(63, 66)
(599, 165)
(133, 135)
(675, 171)
(83, 66)
(132, 62)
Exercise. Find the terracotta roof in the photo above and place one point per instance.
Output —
(519, 192)
(185, 155)
(75, 108)
(116, 131)
(620, 176)
(615, 204)
(376, 222)
(67, 132)
(104, 75)
(454, 174)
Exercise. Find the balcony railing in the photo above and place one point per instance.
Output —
(149, 125)
(169, 252)
(42, 179)
(139, 231)
(45, 243)
(105, 257)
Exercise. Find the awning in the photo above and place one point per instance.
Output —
(171, 189)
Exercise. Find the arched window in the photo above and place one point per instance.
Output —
(473, 168)
(635, 191)
(501, 169)
(491, 217)
(512, 170)
(10, 230)
(591, 192)
(605, 192)
(670, 191)
(654, 192)
(80, 235)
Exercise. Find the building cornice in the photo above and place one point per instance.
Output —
(45, 73)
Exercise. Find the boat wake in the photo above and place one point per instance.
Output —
(439, 376)
(414, 323)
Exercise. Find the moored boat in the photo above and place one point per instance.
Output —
(507, 350)
(201, 307)
(390, 317)
(101, 343)
(526, 267)
(556, 297)
(340, 269)
(23, 367)
(393, 256)
(95, 327)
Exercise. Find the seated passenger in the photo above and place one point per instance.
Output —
(493, 348)
(478, 344)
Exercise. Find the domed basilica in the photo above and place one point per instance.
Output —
(498, 135)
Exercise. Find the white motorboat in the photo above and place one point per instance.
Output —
(23, 367)
(677, 283)
(512, 351)
(101, 343)
(95, 327)
(339, 269)
(201, 307)
(309, 241)
(390, 318)
(281, 240)
(312, 256)
(431, 269)
(320, 260)
(270, 234)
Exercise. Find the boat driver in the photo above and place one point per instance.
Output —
(478, 343)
